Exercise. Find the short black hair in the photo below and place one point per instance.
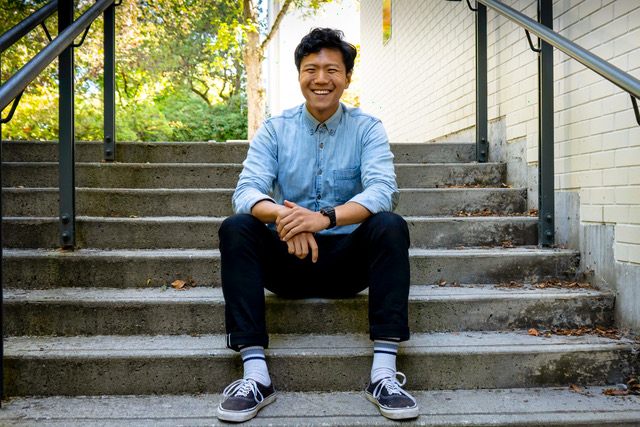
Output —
(319, 38)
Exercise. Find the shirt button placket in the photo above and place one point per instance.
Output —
(322, 134)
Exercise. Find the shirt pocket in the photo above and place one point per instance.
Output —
(346, 184)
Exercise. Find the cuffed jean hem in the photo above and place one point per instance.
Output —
(389, 331)
(246, 339)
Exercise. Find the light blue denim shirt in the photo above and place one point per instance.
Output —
(294, 157)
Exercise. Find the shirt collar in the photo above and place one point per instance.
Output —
(314, 125)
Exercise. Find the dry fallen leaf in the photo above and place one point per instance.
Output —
(532, 331)
(615, 392)
(178, 284)
(191, 282)
(575, 388)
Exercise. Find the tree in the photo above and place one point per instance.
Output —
(179, 72)
(254, 52)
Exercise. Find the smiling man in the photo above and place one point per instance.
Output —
(313, 219)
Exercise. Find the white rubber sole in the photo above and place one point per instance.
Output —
(394, 414)
(240, 416)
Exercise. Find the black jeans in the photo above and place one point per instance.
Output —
(376, 255)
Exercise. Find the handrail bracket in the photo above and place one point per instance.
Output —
(13, 109)
(471, 7)
(535, 49)
(635, 108)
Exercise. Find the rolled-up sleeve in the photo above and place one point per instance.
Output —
(259, 171)
(380, 192)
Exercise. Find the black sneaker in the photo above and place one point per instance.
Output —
(393, 402)
(244, 398)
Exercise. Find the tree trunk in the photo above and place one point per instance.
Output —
(253, 56)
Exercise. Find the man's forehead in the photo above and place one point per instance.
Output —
(312, 58)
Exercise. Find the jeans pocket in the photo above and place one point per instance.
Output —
(346, 184)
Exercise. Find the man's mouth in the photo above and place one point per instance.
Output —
(321, 92)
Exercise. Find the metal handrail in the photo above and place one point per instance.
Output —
(607, 70)
(19, 81)
(26, 25)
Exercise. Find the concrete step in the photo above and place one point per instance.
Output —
(201, 364)
(202, 232)
(213, 152)
(200, 310)
(554, 407)
(225, 175)
(39, 202)
(43, 268)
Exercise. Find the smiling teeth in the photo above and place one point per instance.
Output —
(321, 92)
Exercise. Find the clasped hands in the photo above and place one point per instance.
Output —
(296, 226)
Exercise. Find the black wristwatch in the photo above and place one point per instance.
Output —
(331, 213)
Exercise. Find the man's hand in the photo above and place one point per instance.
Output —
(299, 220)
(300, 244)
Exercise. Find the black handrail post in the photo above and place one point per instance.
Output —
(110, 83)
(546, 231)
(1, 276)
(482, 138)
(66, 138)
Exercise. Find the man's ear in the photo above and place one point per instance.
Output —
(346, 86)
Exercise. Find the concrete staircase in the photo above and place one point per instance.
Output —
(105, 321)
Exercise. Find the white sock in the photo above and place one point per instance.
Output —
(255, 366)
(384, 358)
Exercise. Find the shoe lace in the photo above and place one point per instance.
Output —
(393, 386)
(242, 387)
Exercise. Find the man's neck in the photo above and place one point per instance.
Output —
(324, 116)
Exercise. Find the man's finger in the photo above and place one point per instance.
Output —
(314, 248)
(289, 204)
(291, 247)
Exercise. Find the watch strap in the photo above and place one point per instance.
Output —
(330, 212)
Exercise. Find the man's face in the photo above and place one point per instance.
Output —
(323, 77)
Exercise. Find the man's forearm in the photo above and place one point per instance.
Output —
(267, 211)
(351, 213)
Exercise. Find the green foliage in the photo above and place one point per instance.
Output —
(192, 120)
(179, 73)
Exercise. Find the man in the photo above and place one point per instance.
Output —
(330, 230)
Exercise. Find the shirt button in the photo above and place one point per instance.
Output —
(321, 145)
(320, 172)
(319, 197)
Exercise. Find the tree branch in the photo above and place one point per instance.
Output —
(276, 24)
(202, 95)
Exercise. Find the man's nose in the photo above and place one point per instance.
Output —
(321, 77)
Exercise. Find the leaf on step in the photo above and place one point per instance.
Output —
(616, 392)
(179, 284)
(533, 332)
(508, 244)
(191, 282)
(443, 283)
(134, 216)
(575, 388)
(163, 288)
(511, 284)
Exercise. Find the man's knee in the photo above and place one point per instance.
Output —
(389, 225)
(236, 223)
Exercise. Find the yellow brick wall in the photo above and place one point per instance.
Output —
(422, 85)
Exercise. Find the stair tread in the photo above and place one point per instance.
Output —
(503, 218)
(207, 295)
(484, 342)
(180, 253)
(497, 407)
